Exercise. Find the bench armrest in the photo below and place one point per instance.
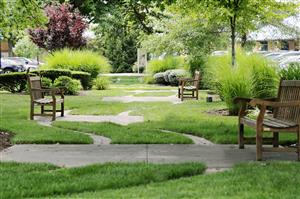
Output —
(262, 102)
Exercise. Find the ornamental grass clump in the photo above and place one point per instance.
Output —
(253, 76)
(78, 60)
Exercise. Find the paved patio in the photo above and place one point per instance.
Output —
(214, 156)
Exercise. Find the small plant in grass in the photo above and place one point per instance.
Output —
(101, 83)
(292, 72)
(71, 86)
(78, 60)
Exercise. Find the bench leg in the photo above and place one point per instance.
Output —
(53, 112)
(241, 136)
(197, 94)
(42, 109)
(179, 93)
(275, 139)
(298, 139)
(31, 111)
(259, 142)
(62, 110)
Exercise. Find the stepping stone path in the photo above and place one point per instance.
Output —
(122, 118)
(127, 99)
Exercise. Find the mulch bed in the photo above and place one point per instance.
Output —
(4, 140)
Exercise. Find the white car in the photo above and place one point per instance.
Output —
(25, 62)
(293, 59)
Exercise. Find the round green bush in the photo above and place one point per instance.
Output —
(71, 86)
(101, 83)
(174, 75)
(159, 78)
(46, 82)
(78, 60)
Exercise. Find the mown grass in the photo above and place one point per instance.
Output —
(14, 114)
(249, 181)
(190, 117)
(44, 180)
(131, 134)
(154, 94)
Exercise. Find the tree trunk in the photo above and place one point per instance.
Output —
(10, 47)
(244, 40)
(233, 37)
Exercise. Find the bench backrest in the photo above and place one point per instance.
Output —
(289, 90)
(197, 79)
(34, 82)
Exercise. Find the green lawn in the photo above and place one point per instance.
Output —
(154, 94)
(247, 181)
(45, 180)
(189, 117)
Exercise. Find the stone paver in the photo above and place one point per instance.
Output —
(216, 156)
(150, 91)
(127, 99)
(123, 118)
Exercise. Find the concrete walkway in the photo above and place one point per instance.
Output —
(216, 156)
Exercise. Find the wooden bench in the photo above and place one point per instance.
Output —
(284, 119)
(37, 96)
(188, 88)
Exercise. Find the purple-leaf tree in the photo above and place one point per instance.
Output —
(64, 29)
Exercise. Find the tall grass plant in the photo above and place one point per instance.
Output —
(78, 60)
(253, 76)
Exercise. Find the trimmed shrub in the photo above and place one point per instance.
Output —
(71, 86)
(101, 83)
(166, 76)
(149, 80)
(159, 78)
(13, 82)
(171, 62)
(174, 75)
(84, 78)
(253, 76)
(53, 74)
(292, 72)
(78, 60)
(46, 82)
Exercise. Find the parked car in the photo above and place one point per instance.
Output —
(293, 59)
(27, 63)
(8, 66)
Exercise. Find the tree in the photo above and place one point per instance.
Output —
(64, 29)
(18, 15)
(120, 24)
(118, 41)
(26, 48)
(240, 16)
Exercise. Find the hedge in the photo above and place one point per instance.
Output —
(84, 78)
(53, 74)
(13, 82)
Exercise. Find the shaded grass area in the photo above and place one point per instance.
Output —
(42, 180)
(131, 134)
(14, 113)
(249, 181)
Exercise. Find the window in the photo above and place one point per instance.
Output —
(264, 46)
(284, 45)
